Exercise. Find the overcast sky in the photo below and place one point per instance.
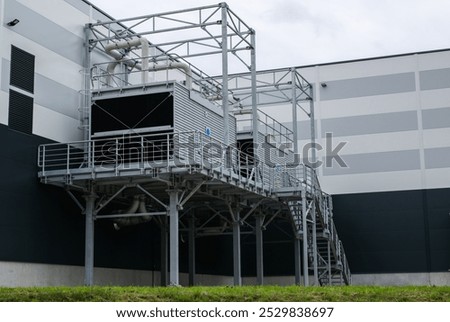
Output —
(303, 32)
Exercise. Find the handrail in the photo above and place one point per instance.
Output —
(268, 126)
(171, 149)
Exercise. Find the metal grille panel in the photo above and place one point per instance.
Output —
(20, 112)
(22, 69)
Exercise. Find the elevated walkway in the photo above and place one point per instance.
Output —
(201, 169)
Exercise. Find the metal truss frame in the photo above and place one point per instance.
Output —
(248, 204)
(224, 34)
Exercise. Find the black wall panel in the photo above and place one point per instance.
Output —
(389, 232)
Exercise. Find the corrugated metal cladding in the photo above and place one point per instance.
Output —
(20, 112)
(192, 116)
(22, 69)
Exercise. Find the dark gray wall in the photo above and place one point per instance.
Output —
(390, 232)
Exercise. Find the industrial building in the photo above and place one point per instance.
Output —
(127, 161)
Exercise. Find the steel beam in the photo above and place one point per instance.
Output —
(89, 240)
(152, 196)
(174, 271)
(193, 191)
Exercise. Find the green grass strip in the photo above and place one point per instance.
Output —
(228, 294)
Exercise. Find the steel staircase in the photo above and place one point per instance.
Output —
(308, 204)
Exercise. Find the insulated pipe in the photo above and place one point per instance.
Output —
(134, 205)
(112, 50)
(138, 205)
(175, 65)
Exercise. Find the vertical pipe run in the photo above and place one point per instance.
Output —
(173, 235)
(259, 251)
(237, 279)
(89, 240)
(225, 106)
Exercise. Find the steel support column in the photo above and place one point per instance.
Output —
(89, 240)
(294, 110)
(255, 118)
(329, 263)
(164, 251)
(313, 128)
(314, 244)
(259, 251)
(237, 279)
(226, 117)
(192, 250)
(305, 238)
(298, 261)
(85, 115)
(174, 271)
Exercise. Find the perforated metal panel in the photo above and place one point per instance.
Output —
(22, 69)
(20, 112)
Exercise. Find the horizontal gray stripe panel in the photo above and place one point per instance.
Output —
(6, 67)
(436, 118)
(49, 34)
(437, 158)
(435, 79)
(56, 96)
(304, 129)
(48, 93)
(368, 86)
(373, 163)
(85, 8)
(371, 124)
(80, 5)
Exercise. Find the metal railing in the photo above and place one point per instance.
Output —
(267, 126)
(168, 150)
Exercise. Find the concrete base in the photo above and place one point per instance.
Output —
(400, 279)
(13, 274)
